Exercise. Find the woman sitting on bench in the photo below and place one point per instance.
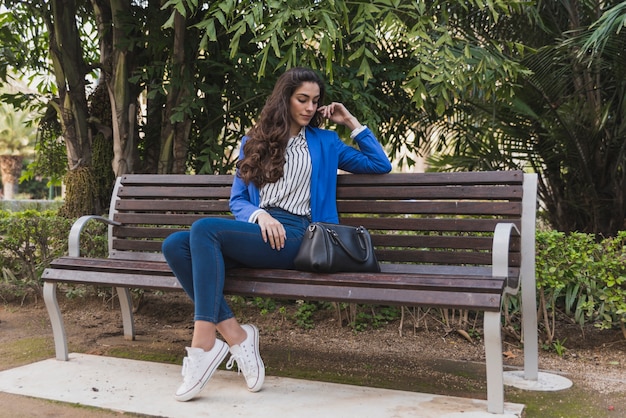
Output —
(286, 178)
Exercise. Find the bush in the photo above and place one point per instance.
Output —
(29, 240)
(582, 278)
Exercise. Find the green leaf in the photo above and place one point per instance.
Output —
(169, 23)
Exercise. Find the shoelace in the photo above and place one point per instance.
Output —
(242, 364)
(231, 363)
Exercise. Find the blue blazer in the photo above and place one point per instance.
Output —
(328, 153)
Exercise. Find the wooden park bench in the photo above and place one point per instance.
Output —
(444, 240)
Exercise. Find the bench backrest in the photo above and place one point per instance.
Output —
(414, 218)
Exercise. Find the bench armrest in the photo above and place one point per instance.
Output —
(500, 254)
(74, 238)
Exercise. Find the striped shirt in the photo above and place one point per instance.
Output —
(292, 192)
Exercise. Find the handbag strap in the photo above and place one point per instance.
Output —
(361, 234)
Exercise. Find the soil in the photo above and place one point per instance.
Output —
(426, 357)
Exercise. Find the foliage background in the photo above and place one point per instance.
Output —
(475, 84)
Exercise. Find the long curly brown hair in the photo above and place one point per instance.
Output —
(264, 152)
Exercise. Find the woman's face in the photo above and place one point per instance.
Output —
(303, 105)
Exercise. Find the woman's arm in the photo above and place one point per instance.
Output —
(241, 201)
(244, 204)
(244, 198)
(370, 158)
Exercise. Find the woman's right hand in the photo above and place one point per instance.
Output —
(272, 231)
(337, 113)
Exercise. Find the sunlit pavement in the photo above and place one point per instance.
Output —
(147, 388)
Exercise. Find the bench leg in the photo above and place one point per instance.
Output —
(493, 355)
(54, 312)
(530, 333)
(126, 305)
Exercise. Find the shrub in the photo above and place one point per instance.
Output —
(581, 277)
(29, 240)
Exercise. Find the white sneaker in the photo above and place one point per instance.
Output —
(198, 367)
(248, 359)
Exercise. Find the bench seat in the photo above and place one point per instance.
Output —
(408, 289)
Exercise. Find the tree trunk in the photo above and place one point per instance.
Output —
(11, 168)
(152, 131)
(175, 136)
(70, 71)
(117, 67)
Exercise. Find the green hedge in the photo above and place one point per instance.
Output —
(581, 278)
(29, 204)
(29, 240)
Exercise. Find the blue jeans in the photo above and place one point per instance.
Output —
(199, 257)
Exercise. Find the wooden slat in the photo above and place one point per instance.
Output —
(178, 179)
(399, 179)
(136, 255)
(442, 270)
(131, 280)
(174, 191)
(427, 224)
(156, 205)
(107, 264)
(430, 241)
(476, 177)
(430, 192)
(379, 240)
(460, 300)
(383, 255)
(504, 208)
(161, 218)
(145, 232)
(137, 245)
(459, 282)
(436, 257)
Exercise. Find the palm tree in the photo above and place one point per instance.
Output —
(566, 120)
(17, 135)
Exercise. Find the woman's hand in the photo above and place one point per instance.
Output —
(337, 113)
(272, 231)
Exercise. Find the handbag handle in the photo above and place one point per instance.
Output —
(360, 231)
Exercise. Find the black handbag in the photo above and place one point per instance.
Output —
(330, 248)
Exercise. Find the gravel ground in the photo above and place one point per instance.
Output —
(430, 359)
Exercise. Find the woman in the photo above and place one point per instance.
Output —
(286, 178)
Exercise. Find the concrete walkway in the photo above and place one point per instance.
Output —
(147, 387)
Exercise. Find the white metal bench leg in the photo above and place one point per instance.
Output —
(493, 355)
(54, 312)
(126, 305)
(529, 329)
(529, 285)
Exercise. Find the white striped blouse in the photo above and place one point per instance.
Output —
(292, 192)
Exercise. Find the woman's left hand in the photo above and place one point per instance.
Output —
(337, 113)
